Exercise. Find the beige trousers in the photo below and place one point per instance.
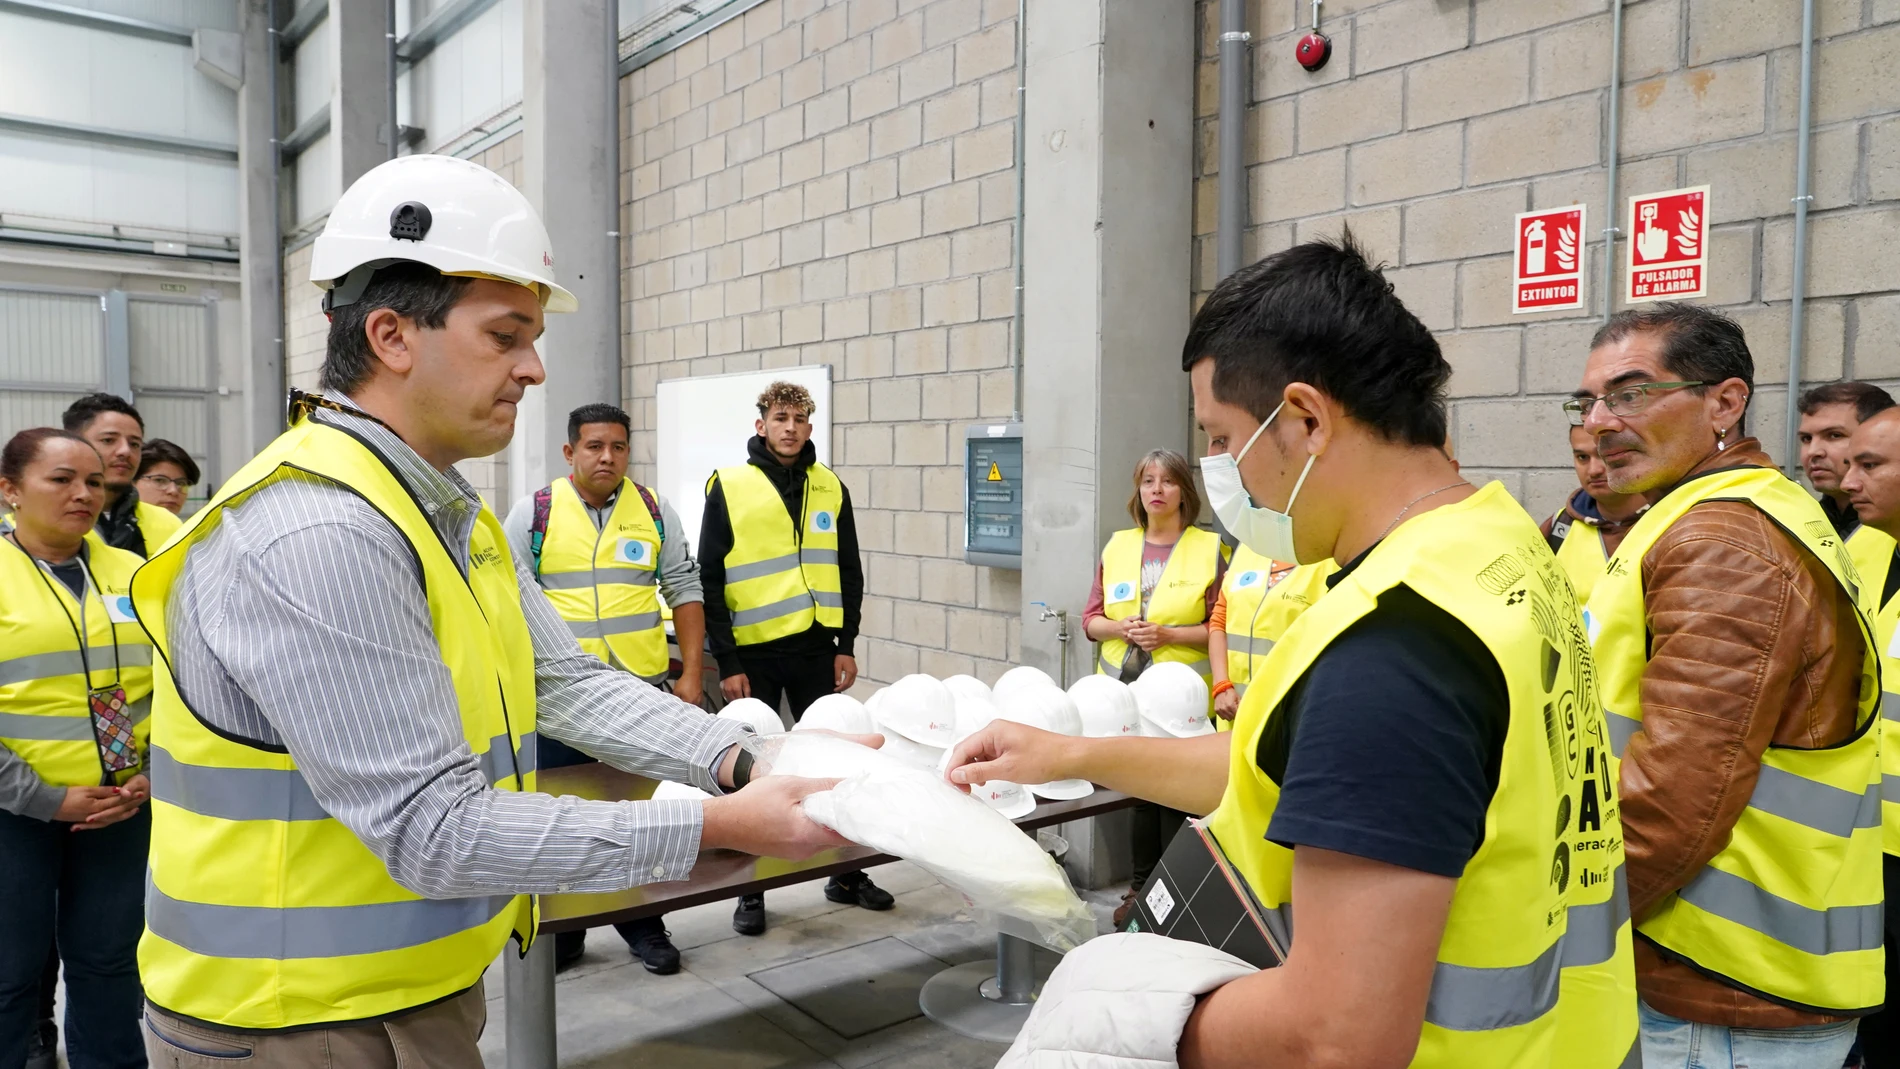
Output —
(442, 1036)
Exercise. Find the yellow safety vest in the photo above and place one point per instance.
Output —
(1791, 908)
(781, 575)
(47, 675)
(155, 526)
(264, 912)
(1535, 968)
(1582, 553)
(1872, 553)
(1886, 623)
(1179, 598)
(1258, 614)
(604, 582)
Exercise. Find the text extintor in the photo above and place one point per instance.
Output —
(1548, 271)
(1668, 241)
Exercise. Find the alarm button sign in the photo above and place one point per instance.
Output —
(1548, 265)
(1668, 243)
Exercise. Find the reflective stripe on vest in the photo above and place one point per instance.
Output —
(45, 711)
(1535, 967)
(1790, 907)
(1179, 597)
(781, 576)
(262, 911)
(602, 580)
(1258, 614)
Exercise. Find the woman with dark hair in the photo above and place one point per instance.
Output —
(75, 682)
(166, 475)
(1154, 591)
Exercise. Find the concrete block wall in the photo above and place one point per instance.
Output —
(831, 183)
(1436, 121)
(306, 331)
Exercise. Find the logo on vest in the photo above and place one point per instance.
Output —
(1250, 577)
(1121, 592)
(119, 609)
(821, 521)
(634, 551)
(483, 557)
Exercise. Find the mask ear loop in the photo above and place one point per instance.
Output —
(1258, 431)
(1301, 481)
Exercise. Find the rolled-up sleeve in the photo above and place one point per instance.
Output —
(327, 630)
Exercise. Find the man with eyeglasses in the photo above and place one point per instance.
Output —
(1738, 678)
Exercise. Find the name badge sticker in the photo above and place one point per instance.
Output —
(634, 551)
(1250, 577)
(119, 609)
(823, 521)
(1119, 593)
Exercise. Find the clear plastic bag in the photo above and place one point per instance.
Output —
(1003, 872)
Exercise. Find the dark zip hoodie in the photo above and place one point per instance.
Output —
(715, 541)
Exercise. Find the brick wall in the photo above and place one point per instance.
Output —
(822, 183)
(1437, 120)
(306, 331)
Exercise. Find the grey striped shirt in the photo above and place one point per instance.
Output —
(302, 622)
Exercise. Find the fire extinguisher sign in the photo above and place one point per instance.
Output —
(1668, 242)
(1549, 261)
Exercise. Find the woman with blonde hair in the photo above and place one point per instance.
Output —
(1154, 591)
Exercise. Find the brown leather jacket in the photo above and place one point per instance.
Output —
(1753, 642)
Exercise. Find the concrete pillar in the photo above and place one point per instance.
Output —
(1110, 116)
(571, 174)
(359, 105)
(260, 256)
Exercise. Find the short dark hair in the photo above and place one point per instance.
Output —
(599, 412)
(24, 448)
(1321, 314)
(160, 451)
(411, 290)
(1175, 467)
(80, 414)
(1699, 344)
(1866, 398)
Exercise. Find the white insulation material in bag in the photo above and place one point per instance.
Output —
(914, 814)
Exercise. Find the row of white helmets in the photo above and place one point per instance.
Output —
(922, 717)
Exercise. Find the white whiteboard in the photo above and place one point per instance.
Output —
(706, 422)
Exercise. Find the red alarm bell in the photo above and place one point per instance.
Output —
(1315, 48)
(1313, 51)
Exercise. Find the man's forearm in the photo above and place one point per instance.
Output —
(689, 627)
(1185, 774)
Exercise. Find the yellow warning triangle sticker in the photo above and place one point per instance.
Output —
(996, 473)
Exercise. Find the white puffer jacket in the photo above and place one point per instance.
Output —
(1120, 1002)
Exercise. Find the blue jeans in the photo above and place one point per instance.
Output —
(1672, 1043)
(91, 886)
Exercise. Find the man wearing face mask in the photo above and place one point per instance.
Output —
(1413, 787)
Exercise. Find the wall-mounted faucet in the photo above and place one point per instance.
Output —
(1061, 617)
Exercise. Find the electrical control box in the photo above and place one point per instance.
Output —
(993, 495)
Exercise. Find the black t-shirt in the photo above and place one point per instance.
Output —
(1389, 746)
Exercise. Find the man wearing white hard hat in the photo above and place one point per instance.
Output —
(358, 669)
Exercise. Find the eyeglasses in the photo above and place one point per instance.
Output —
(166, 482)
(1623, 401)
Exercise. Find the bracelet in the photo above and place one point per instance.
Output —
(742, 769)
(1222, 687)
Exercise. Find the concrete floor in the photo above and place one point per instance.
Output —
(855, 973)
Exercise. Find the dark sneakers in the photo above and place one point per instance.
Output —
(856, 889)
(651, 943)
(568, 948)
(749, 918)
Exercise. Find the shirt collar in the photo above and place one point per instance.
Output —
(439, 492)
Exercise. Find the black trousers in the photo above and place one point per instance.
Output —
(1880, 1033)
(553, 753)
(89, 887)
(1154, 827)
(799, 680)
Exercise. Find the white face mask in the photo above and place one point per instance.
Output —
(1264, 531)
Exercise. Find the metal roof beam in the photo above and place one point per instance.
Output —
(308, 16)
(306, 132)
(443, 23)
(99, 135)
(99, 20)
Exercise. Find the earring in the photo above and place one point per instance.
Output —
(1721, 439)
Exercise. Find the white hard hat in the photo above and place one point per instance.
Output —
(454, 215)
(912, 753)
(919, 708)
(670, 791)
(1173, 701)
(1050, 709)
(1021, 676)
(1108, 708)
(837, 712)
(755, 714)
(1013, 800)
(967, 687)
